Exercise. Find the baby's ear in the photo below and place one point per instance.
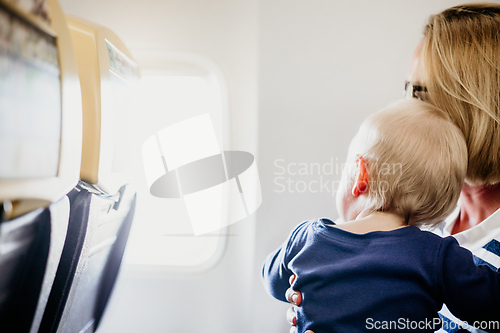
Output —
(360, 184)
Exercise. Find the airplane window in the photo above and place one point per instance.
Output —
(162, 233)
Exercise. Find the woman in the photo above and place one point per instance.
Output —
(456, 67)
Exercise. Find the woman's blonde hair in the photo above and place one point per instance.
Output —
(461, 70)
(416, 160)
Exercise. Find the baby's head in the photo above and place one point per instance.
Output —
(407, 159)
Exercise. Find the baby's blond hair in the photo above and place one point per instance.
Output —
(416, 160)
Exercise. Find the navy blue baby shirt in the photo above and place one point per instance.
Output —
(359, 282)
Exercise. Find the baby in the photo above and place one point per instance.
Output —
(378, 269)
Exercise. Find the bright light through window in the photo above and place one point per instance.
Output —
(162, 234)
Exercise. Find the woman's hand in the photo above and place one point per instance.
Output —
(294, 297)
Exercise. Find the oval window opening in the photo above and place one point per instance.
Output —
(162, 234)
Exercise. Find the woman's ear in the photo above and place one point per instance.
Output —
(360, 185)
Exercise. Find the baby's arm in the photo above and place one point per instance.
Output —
(472, 293)
(275, 271)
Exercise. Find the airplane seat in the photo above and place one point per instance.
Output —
(66, 270)
(113, 264)
(40, 149)
(96, 239)
(23, 247)
(30, 249)
(102, 205)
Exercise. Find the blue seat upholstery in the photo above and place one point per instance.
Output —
(30, 249)
(97, 233)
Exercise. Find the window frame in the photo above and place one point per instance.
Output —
(161, 63)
